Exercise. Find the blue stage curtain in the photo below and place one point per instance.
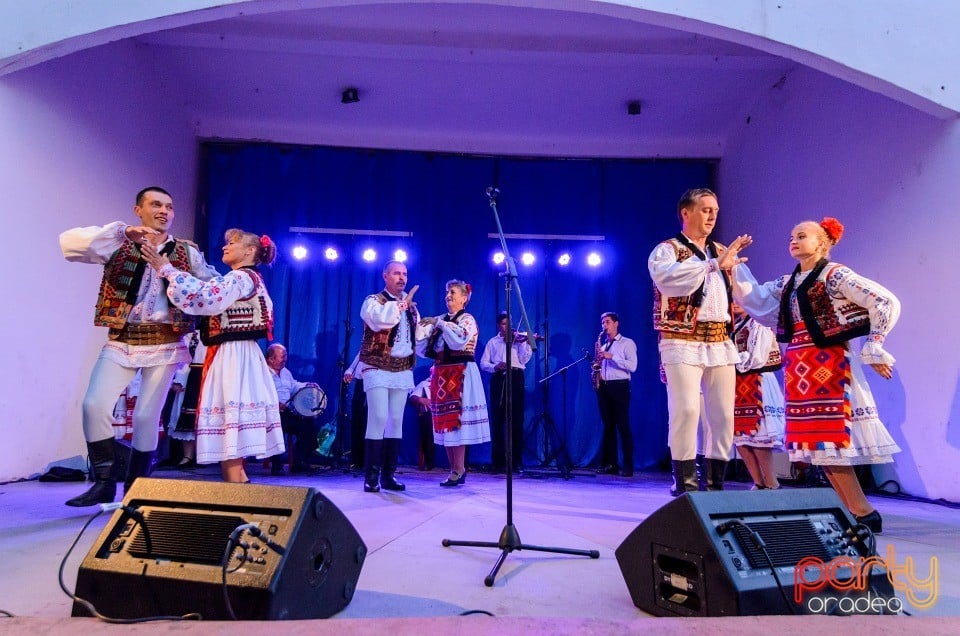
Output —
(440, 199)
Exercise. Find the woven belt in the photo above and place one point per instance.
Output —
(703, 332)
(394, 364)
(150, 333)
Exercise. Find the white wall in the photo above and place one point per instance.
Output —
(78, 137)
(817, 147)
(904, 49)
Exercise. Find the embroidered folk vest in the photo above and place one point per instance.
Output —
(741, 336)
(829, 320)
(375, 347)
(679, 314)
(448, 355)
(249, 318)
(121, 282)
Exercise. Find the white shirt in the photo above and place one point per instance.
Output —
(387, 316)
(682, 278)
(623, 362)
(496, 352)
(422, 389)
(286, 385)
(95, 245)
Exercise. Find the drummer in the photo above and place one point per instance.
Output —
(301, 428)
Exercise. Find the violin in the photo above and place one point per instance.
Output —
(519, 337)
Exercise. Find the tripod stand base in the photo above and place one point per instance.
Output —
(510, 541)
(543, 472)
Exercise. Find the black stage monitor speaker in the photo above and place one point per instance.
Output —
(696, 556)
(174, 567)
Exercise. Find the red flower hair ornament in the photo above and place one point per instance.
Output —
(265, 241)
(833, 229)
(468, 287)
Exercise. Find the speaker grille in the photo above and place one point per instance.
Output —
(184, 536)
(787, 541)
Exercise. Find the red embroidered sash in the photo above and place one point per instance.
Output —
(446, 396)
(817, 381)
(747, 405)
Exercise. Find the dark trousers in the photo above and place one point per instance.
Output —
(358, 423)
(613, 399)
(498, 418)
(304, 437)
(425, 439)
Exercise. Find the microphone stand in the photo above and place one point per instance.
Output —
(560, 454)
(509, 537)
(342, 363)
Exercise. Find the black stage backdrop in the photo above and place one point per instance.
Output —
(441, 199)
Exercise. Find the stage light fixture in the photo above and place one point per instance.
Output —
(527, 258)
(331, 254)
(498, 258)
(564, 259)
(350, 96)
(369, 255)
(633, 107)
(299, 252)
(593, 259)
(400, 256)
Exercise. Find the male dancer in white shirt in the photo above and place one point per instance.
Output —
(146, 333)
(386, 367)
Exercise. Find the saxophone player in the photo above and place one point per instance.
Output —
(616, 359)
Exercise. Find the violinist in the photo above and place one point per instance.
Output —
(616, 359)
(494, 360)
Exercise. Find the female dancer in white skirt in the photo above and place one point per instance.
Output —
(457, 400)
(831, 415)
(238, 414)
(758, 402)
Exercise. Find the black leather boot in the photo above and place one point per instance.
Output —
(372, 460)
(104, 488)
(391, 455)
(684, 477)
(716, 471)
(701, 472)
(141, 465)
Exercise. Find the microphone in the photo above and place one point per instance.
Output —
(492, 191)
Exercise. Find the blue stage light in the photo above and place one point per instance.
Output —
(299, 252)
(564, 259)
(527, 258)
(369, 255)
(498, 258)
(400, 256)
(331, 254)
(593, 259)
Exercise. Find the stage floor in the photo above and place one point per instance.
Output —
(409, 575)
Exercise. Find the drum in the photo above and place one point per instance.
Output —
(310, 401)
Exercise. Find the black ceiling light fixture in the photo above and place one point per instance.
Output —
(350, 96)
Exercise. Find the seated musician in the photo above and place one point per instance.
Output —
(301, 428)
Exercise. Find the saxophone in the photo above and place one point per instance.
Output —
(597, 361)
